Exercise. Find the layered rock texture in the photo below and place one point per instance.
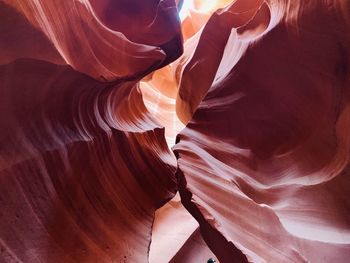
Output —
(174, 131)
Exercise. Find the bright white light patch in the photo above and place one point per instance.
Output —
(186, 6)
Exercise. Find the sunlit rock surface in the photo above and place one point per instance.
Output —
(252, 97)
(264, 159)
(83, 167)
(104, 45)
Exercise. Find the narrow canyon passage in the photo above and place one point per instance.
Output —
(178, 131)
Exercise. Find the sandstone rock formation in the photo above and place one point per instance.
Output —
(174, 131)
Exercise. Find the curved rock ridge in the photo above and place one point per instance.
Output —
(264, 158)
(93, 94)
(20, 39)
(249, 18)
(150, 22)
(99, 38)
(162, 109)
(83, 167)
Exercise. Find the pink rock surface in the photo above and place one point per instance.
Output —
(89, 41)
(264, 159)
(83, 167)
(252, 96)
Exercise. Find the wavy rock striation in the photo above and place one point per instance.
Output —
(93, 93)
(264, 159)
(104, 46)
(83, 167)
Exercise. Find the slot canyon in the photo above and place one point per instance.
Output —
(181, 131)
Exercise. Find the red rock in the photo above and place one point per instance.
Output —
(264, 159)
(92, 96)
(80, 182)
